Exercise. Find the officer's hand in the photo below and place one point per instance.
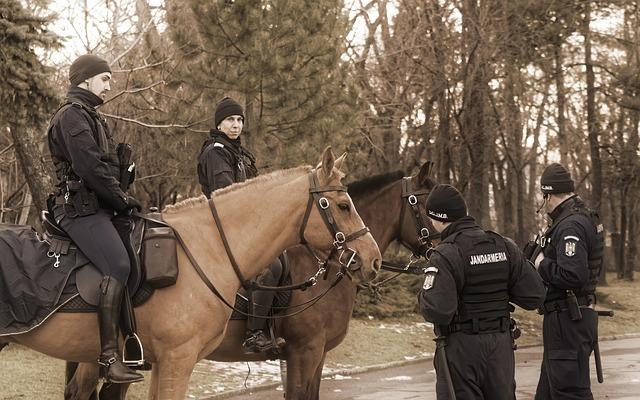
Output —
(132, 203)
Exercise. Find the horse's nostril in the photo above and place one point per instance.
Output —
(376, 265)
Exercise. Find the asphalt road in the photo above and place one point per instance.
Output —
(620, 358)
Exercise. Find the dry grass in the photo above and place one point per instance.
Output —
(28, 375)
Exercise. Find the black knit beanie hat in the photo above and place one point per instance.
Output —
(556, 179)
(85, 67)
(445, 204)
(226, 108)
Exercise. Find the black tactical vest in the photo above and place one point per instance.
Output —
(485, 295)
(596, 255)
(105, 141)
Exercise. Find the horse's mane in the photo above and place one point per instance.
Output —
(372, 183)
(189, 203)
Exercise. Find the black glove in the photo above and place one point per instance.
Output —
(132, 203)
(529, 249)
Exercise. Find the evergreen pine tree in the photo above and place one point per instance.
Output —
(282, 59)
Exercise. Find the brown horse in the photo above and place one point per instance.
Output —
(380, 200)
(183, 323)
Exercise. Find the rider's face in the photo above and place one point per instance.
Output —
(232, 126)
(99, 84)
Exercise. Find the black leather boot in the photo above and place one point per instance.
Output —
(113, 370)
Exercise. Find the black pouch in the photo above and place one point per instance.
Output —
(160, 256)
(85, 202)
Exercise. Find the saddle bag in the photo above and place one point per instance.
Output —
(160, 256)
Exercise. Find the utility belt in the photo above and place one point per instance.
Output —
(571, 303)
(476, 326)
(76, 199)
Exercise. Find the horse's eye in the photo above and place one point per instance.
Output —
(344, 206)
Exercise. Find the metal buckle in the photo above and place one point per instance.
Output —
(413, 200)
(323, 203)
(340, 239)
(351, 257)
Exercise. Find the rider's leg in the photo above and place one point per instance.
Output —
(98, 239)
(260, 303)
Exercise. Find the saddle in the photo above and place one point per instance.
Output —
(151, 245)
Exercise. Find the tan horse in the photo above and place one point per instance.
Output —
(385, 207)
(183, 323)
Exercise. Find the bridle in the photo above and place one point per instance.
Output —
(425, 245)
(340, 239)
(424, 236)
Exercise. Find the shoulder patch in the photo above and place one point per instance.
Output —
(430, 277)
(570, 248)
(218, 144)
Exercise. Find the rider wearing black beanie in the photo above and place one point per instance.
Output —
(556, 179)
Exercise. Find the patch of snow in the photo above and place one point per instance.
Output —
(398, 378)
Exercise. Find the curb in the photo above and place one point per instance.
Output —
(378, 367)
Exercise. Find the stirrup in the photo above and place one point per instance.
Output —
(132, 351)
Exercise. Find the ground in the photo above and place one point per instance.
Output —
(27, 375)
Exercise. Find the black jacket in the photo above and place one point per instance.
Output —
(439, 303)
(569, 242)
(223, 161)
(75, 140)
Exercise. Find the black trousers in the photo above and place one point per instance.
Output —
(565, 364)
(482, 367)
(97, 237)
(260, 301)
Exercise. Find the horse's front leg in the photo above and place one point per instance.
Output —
(302, 363)
(173, 372)
(314, 385)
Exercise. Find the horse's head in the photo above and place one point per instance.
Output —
(333, 222)
(416, 230)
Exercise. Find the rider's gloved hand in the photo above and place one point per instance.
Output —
(132, 204)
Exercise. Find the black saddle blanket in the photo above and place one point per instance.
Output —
(32, 283)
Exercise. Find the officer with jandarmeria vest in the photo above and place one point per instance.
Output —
(93, 174)
(224, 161)
(569, 262)
(471, 278)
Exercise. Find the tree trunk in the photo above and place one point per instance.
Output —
(592, 128)
(559, 76)
(473, 116)
(28, 149)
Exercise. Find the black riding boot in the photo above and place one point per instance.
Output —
(113, 370)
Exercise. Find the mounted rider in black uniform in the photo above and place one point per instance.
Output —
(471, 278)
(222, 162)
(91, 196)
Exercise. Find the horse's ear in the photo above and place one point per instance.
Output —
(339, 163)
(425, 173)
(328, 161)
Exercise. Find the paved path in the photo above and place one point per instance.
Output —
(621, 359)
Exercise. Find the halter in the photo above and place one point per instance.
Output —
(339, 243)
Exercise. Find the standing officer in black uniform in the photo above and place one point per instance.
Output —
(91, 194)
(223, 161)
(471, 278)
(569, 263)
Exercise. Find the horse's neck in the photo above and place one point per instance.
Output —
(259, 222)
(380, 210)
